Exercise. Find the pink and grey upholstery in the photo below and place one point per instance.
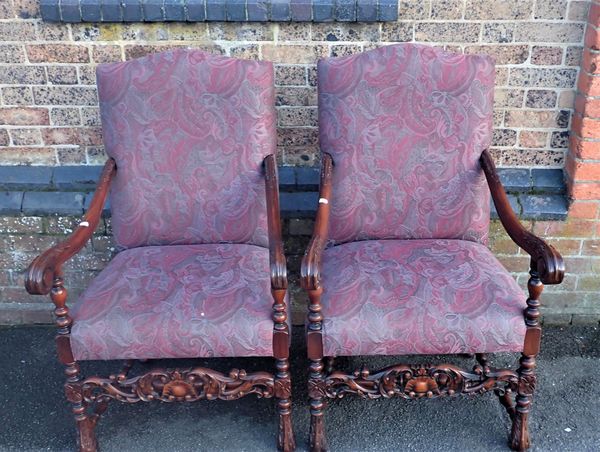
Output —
(189, 131)
(405, 297)
(178, 301)
(406, 125)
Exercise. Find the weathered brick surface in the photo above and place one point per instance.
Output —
(49, 115)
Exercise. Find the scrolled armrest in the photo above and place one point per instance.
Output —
(276, 255)
(44, 268)
(311, 263)
(546, 260)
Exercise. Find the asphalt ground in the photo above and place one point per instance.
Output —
(35, 416)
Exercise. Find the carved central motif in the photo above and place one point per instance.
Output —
(413, 382)
(179, 386)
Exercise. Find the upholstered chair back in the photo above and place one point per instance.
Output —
(189, 131)
(406, 125)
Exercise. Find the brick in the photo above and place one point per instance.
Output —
(573, 56)
(541, 98)
(17, 31)
(566, 99)
(27, 156)
(12, 53)
(60, 135)
(345, 50)
(536, 119)
(584, 149)
(20, 116)
(111, 11)
(132, 11)
(174, 10)
(547, 207)
(17, 95)
(397, 31)
(65, 117)
(106, 53)
(71, 156)
(587, 107)
(549, 32)
(293, 96)
(508, 97)
(502, 54)
(388, 10)
(287, 177)
(86, 75)
(22, 75)
(59, 95)
(548, 180)
(515, 180)
(258, 10)
(25, 137)
(447, 32)
(447, 9)
(588, 283)
(550, 9)
(585, 319)
(578, 10)
(532, 139)
(585, 127)
(504, 137)
(584, 209)
(491, 9)
(567, 247)
(248, 52)
(21, 225)
(4, 138)
(57, 53)
(546, 56)
(592, 38)
(300, 136)
(241, 32)
(583, 170)
(500, 32)
(564, 229)
(546, 77)
(532, 157)
(559, 139)
(591, 62)
(514, 263)
(62, 75)
(293, 53)
(366, 10)
(90, 116)
(589, 84)
(302, 116)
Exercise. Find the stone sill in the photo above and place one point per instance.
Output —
(536, 194)
(74, 11)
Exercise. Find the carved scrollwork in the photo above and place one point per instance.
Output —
(179, 386)
(527, 384)
(283, 388)
(414, 382)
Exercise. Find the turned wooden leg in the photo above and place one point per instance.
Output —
(506, 400)
(519, 436)
(285, 437)
(86, 438)
(318, 442)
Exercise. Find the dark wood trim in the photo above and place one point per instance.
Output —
(311, 263)
(276, 255)
(43, 270)
(547, 261)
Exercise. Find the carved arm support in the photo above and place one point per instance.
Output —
(544, 258)
(311, 263)
(276, 255)
(44, 268)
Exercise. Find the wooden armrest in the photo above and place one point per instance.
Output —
(311, 263)
(544, 258)
(44, 268)
(276, 255)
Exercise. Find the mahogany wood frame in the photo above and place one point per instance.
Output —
(429, 381)
(89, 397)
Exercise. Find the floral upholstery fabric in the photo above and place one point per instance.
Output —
(178, 301)
(189, 131)
(406, 125)
(397, 297)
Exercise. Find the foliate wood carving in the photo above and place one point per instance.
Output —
(177, 386)
(414, 382)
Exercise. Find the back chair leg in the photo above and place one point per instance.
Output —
(318, 442)
(285, 438)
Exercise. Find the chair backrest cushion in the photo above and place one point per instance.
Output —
(406, 125)
(189, 131)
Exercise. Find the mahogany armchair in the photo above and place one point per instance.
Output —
(201, 271)
(398, 263)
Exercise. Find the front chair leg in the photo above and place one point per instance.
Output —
(318, 442)
(285, 437)
(519, 436)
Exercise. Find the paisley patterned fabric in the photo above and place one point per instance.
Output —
(397, 297)
(189, 131)
(177, 301)
(406, 125)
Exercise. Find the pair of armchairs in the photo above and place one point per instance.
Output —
(397, 264)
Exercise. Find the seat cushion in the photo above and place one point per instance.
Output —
(406, 125)
(398, 297)
(177, 302)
